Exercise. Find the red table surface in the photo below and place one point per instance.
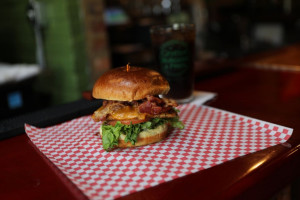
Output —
(272, 96)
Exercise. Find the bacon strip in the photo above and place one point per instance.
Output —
(154, 105)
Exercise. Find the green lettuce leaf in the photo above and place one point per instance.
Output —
(111, 134)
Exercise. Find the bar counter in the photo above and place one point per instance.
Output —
(249, 88)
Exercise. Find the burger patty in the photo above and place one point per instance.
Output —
(150, 107)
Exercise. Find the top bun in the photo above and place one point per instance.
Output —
(135, 84)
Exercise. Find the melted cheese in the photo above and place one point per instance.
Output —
(126, 113)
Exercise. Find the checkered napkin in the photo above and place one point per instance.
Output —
(211, 137)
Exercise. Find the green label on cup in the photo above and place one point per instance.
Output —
(174, 58)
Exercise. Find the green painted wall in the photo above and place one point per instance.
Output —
(65, 49)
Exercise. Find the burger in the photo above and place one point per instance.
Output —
(132, 112)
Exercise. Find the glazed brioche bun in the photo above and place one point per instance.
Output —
(145, 137)
(135, 84)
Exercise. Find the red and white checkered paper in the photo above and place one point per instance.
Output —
(211, 137)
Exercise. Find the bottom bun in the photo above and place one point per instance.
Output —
(145, 137)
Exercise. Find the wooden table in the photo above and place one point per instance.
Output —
(266, 94)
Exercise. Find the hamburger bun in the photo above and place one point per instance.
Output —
(135, 84)
(145, 137)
